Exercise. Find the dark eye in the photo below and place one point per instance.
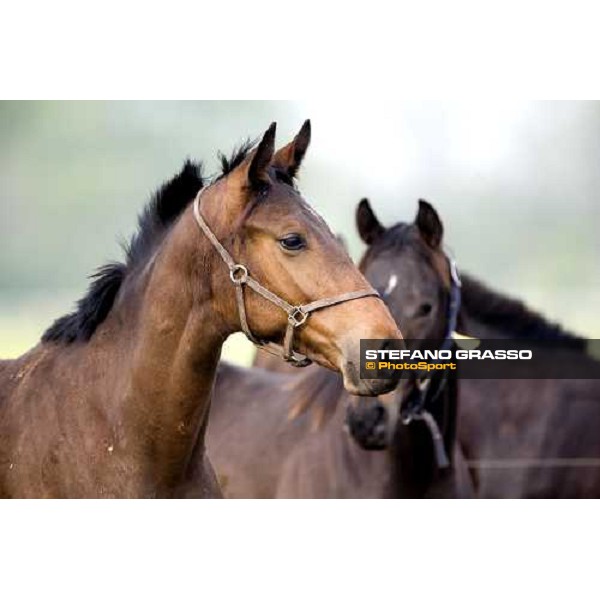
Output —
(424, 310)
(293, 242)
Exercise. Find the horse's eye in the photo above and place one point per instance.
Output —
(293, 242)
(424, 310)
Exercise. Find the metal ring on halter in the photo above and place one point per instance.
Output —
(294, 319)
(234, 269)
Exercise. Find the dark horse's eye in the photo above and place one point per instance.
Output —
(293, 242)
(424, 310)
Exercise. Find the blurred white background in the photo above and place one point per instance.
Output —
(516, 185)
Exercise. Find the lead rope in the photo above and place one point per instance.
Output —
(297, 315)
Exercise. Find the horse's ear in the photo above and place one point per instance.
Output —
(368, 225)
(289, 158)
(260, 159)
(429, 225)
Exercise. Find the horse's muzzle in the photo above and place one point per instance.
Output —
(368, 423)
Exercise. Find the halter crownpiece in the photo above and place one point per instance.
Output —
(297, 315)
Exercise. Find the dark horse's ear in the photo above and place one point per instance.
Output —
(261, 158)
(368, 225)
(289, 158)
(429, 225)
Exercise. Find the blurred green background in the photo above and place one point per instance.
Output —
(515, 183)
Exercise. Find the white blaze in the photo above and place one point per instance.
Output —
(392, 283)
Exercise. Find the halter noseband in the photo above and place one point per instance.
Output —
(297, 315)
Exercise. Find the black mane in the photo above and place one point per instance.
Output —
(235, 159)
(512, 316)
(159, 214)
(398, 237)
(395, 239)
(239, 154)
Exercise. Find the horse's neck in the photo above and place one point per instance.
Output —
(473, 327)
(174, 352)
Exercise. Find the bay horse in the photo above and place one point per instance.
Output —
(279, 434)
(114, 401)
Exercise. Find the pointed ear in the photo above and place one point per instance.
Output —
(429, 225)
(368, 225)
(289, 158)
(261, 158)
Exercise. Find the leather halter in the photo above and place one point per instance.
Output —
(425, 393)
(297, 314)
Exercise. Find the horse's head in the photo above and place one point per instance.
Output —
(408, 267)
(284, 246)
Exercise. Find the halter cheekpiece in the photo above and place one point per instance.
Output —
(426, 394)
(297, 315)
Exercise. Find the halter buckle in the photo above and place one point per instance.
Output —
(412, 408)
(297, 317)
(238, 274)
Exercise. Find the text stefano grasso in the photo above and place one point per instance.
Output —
(404, 354)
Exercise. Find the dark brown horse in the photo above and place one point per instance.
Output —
(114, 401)
(285, 435)
(522, 438)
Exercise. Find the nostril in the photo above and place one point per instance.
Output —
(380, 414)
(386, 345)
(424, 310)
(374, 418)
(392, 344)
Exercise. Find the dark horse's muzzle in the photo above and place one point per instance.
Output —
(368, 422)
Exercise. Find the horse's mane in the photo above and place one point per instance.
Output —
(512, 316)
(318, 389)
(235, 159)
(239, 154)
(165, 205)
